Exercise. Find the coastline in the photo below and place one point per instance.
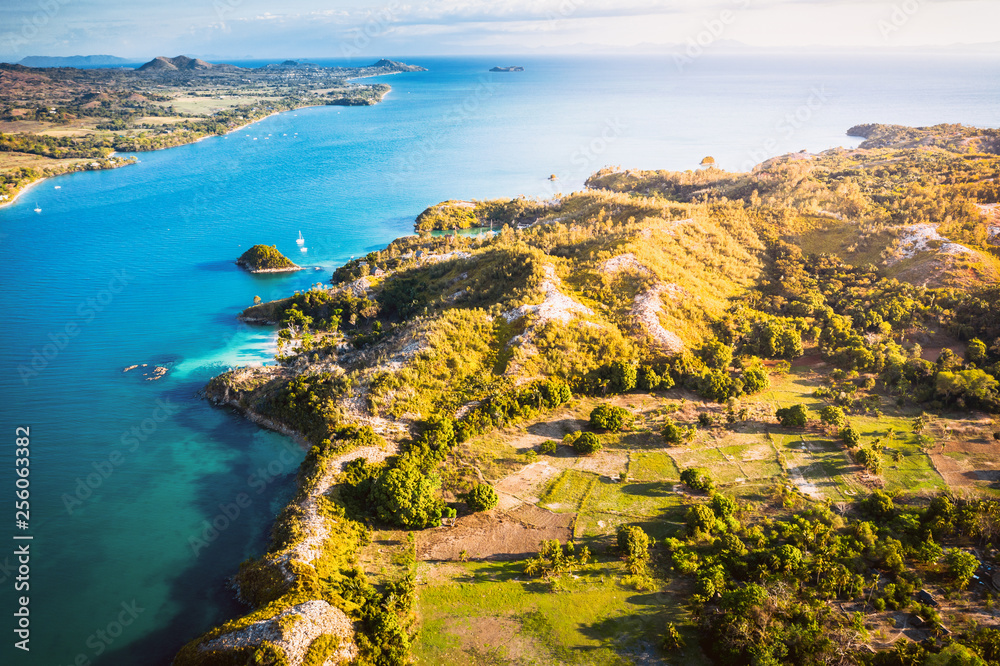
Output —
(25, 189)
(193, 141)
(270, 270)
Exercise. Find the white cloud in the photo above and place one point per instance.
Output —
(307, 27)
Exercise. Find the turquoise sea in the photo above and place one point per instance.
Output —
(135, 265)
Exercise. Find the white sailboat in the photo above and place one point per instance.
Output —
(300, 240)
(37, 209)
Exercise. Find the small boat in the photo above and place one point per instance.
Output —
(300, 240)
(37, 209)
(58, 187)
(304, 249)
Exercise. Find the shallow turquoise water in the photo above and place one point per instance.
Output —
(139, 259)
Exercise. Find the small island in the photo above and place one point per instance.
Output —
(508, 69)
(266, 259)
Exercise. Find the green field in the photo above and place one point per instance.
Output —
(491, 614)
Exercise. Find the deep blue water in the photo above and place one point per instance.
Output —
(134, 266)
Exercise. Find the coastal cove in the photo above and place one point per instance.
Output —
(140, 262)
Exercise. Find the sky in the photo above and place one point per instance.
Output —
(355, 28)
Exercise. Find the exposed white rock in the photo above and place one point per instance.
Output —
(622, 262)
(555, 306)
(916, 238)
(293, 630)
(646, 310)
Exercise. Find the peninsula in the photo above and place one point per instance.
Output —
(57, 120)
(694, 417)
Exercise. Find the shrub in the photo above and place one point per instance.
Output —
(548, 447)
(869, 459)
(555, 392)
(676, 434)
(482, 497)
(611, 418)
(795, 416)
(647, 379)
(850, 436)
(832, 415)
(672, 639)
(587, 443)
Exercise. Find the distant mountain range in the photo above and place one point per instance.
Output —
(181, 63)
(74, 61)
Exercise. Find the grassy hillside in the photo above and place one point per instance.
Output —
(719, 418)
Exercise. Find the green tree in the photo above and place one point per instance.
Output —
(961, 566)
(879, 505)
(404, 496)
(482, 497)
(716, 355)
(795, 416)
(717, 385)
(975, 352)
(971, 386)
(623, 376)
(723, 506)
(633, 543)
(700, 518)
(697, 479)
(611, 418)
(755, 379)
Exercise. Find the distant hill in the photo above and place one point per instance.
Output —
(181, 63)
(291, 64)
(396, 66)
(74, 61)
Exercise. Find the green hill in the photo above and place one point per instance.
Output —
(803, 365)
(265, 259)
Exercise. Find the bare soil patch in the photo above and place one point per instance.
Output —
(605, 463)
(955, 474)
(494, 639)
(527, 483)
(495, 535)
